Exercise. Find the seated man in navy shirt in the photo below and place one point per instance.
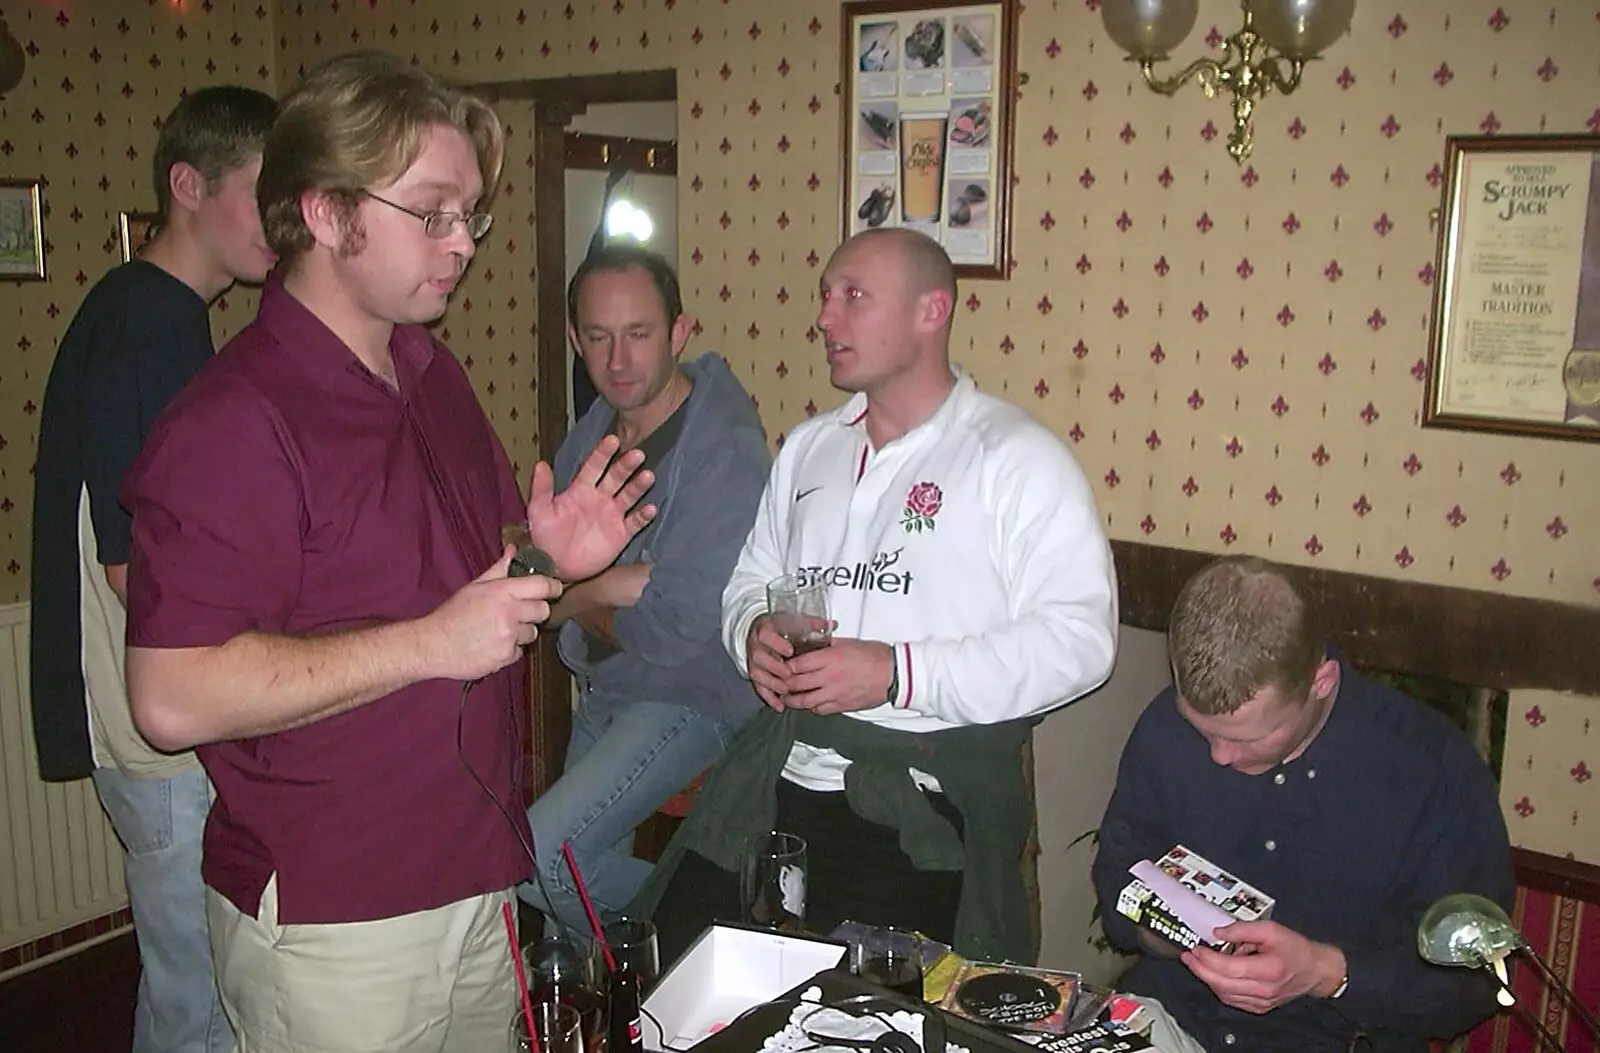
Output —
(1351, 804)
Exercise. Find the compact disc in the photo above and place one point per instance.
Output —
(1008, 999)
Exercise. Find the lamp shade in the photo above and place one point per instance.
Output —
(12, 58)
(1301, 29)
(1148, 28)
(1464, 929)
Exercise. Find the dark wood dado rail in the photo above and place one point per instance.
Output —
(1557, 875)
(1479, 638)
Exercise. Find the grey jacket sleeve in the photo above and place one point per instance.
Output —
(695, 552)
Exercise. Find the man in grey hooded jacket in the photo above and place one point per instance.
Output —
(659, 696)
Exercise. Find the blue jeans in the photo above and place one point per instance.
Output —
(160, 822)
(624, 760)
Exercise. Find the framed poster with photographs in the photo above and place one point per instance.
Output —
(133, 230)
(928, 89)
(1515, 337)
(21, 230)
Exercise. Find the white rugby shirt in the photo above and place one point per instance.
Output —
(972, 544)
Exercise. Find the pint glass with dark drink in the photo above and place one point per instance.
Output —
(922, 161)
(798, 606)
(568, 970)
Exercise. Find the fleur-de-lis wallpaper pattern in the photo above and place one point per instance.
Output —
(1547, 789)
(100, 78)
(1235, 354)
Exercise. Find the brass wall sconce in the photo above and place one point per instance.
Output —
(1268, 52)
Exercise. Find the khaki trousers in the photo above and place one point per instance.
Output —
(438, 981)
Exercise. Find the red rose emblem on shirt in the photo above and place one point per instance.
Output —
(922, 504)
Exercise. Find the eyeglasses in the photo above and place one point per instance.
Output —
(441, 224)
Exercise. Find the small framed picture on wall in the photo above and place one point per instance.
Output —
(133, 230)
(928, 88)
(21, 230)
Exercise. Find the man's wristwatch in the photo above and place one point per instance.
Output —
(893, 694)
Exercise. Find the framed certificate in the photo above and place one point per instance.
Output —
(1514, 344)
(928, 89)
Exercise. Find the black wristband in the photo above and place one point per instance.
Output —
(893, 694)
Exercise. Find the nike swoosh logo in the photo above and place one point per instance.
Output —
(803, 494)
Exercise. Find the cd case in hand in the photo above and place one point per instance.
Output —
(1184, 897)
(1014, 997)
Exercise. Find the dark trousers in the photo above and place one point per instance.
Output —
(856, 872)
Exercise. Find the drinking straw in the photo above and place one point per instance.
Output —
(522, 977)
(594, 919)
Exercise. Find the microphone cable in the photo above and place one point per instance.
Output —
(524, 842)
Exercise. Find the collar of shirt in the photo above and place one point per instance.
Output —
(1332, 740)
(307, 341)
(853, 414)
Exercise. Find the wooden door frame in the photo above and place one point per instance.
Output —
(556, 101)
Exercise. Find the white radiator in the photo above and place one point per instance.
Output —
(60, 861)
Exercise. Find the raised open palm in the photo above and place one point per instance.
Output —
(584, 527)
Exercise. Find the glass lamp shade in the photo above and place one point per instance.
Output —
(1301, 29)
(12, 59)
(1464, 929)
(1148, 28)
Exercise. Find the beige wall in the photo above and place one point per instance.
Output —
(757, 74)
(85, 118)
(1310, 267)
(1548, 790)
(758, 119)
(1077, 750)
(752, 281)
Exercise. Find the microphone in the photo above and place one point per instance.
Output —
(531, 560)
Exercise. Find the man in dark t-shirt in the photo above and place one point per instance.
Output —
(658, 695)
(138, 337)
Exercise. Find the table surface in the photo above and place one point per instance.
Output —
(747, 1033)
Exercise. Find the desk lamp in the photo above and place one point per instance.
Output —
(1467, 930)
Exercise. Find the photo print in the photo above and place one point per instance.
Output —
(969, 203)
(925, 45)
(878, 53)
(877, 204)
(974, 41)
(970, 123)
(879, 125)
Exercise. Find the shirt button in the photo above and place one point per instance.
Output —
(1272, 846)
(1228, 1039)
(1278, 778)
(1312, 774)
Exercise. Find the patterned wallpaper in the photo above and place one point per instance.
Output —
(100, 77)
(1234, 353)
(1547, 788)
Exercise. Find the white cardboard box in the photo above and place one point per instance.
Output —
(727, 970)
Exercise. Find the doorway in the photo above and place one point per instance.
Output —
(557, 103)
(621, 184)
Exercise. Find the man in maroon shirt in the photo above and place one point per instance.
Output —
(319, 597)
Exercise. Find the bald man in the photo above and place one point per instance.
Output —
(972, 590)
